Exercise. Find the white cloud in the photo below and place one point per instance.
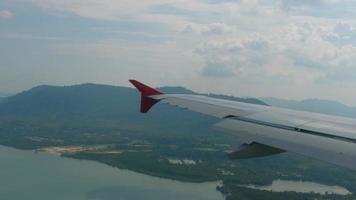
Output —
(295, 54)
(115, 10)
(6, 14)
(213, 69)
(209, 29)
(195, 11)
(264, 48)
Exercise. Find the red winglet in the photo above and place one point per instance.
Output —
(146, 92)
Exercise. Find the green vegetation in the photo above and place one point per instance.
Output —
(102, 123)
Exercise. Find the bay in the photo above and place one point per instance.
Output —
(26, 175)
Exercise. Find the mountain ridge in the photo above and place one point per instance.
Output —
(313, 105)
(90, 98)
(85, 98)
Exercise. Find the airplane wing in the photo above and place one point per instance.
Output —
(267, 130)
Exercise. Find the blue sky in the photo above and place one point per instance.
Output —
(292, 49)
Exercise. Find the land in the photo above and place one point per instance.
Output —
(102, 123)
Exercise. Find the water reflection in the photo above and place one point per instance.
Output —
(301, 187)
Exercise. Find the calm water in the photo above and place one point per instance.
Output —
(302, 187)
(25, 175)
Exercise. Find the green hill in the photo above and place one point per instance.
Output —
(61, 112)
(87, 99)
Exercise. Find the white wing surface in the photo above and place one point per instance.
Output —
(274, 130)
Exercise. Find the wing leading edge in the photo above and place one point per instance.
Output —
(267, 130)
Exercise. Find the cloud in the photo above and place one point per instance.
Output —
(6, 14)
(135, 10)
(262, 47)
(287, 5)
(282, 54)
(209, 29)
(343, 34)
(245, 56)
(246, 35)
(319, 8)
(177, 13)
(217, 70)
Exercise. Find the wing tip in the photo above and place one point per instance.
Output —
(144, 89)
(146, 92)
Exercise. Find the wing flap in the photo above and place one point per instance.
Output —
(322, 148)
(312, 123)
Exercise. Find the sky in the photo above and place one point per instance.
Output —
(292, 49)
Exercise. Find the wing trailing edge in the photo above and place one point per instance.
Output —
(146, 92)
